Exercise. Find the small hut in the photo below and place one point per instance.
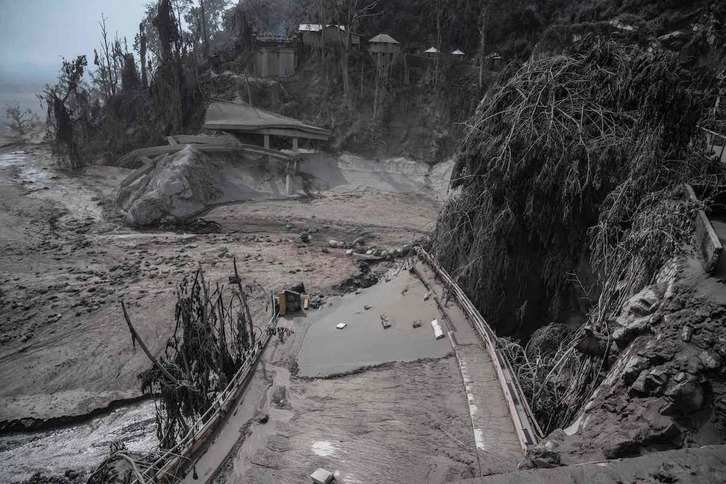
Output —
(458, 53)
(384, 44)
(431, 51)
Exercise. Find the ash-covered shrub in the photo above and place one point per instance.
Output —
(574, 158)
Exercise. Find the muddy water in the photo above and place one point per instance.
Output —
(19, 168)
(79, 447)
(363, 342)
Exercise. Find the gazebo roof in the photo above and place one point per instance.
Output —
(458, 52)
(432, 50)
(383, 39)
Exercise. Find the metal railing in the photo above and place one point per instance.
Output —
(166, 466)
(525, 424)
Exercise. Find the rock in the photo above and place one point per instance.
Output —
(333, 243)
(710, 360)
(71, 474)
(349, 252)
(359, 241)
(304, 237)
(633, 368)
(685, 397)
(630, 328)
(264, 419)
(543, 458)
(686, 333)
(649, 383)
(641, 304)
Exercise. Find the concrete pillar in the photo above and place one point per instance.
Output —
(267, 141)
(288, 184)
(294, 145)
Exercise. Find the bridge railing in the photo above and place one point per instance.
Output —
(166, 467)
(525, 424)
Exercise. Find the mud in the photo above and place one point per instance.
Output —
(363, 342)
(68, 260)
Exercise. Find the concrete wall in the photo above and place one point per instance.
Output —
(275, 61)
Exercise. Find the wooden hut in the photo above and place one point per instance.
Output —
(384, 44)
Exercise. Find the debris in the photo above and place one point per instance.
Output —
(366, 307)
(384, 321)
(341, 325)
(427, 296)
(438, 332)
(321, 476)
(417, 323)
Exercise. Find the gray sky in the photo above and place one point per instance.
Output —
(35, 34)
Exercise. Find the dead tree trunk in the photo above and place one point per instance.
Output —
(142, 56)
(483, 19)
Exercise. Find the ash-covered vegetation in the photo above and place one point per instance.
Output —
(135, 92)
(570, 195)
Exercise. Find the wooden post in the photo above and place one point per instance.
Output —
(267, 141)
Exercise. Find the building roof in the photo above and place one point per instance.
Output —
(432, 50)
(229, 116)
(310, 28)
(458, 52)
(318, 27)
(383, 39)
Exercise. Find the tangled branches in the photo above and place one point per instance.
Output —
(566, 143)
(575, 164)
(213, 337)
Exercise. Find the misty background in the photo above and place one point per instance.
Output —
(36, 34)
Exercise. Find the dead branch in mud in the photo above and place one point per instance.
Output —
(213, 337)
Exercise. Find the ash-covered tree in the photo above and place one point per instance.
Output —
(166, 89)
(349, 13)
(17, 117)
(69, 112)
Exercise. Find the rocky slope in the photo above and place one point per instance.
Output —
(666, 387)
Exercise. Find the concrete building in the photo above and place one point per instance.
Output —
(312, 34)
(275, 56)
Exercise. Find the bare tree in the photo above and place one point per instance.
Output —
(141, 39)
(483, 24)
(349, 13)
(109, 62)
(19, 119)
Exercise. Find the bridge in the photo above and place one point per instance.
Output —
(502, 425)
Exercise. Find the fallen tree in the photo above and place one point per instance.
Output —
(569, 200)
(213, 337)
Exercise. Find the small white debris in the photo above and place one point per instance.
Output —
(438, 332)
(321, 476)
(427, 296)
(341, 325)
